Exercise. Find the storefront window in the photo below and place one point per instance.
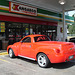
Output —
(38, 29)
(14, 25)
(52, 32)
(25, 29)
(16, 31)
(32, 29)
(44, 29)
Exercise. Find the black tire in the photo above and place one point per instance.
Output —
(11, 53)
(43, 60)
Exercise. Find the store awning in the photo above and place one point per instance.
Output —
(50, 4)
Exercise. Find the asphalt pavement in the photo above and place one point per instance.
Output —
(21, 66)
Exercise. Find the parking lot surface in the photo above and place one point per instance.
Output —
(21, 66)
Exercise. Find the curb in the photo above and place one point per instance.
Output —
(4, 53)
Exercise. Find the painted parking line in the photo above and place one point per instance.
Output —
(18, 65)
(4, 53)
(4, 60)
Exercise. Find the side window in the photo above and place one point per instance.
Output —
(27, 40)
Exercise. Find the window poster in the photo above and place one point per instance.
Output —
(27, 31)
(2, 26)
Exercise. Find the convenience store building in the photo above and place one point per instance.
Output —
(18, 20)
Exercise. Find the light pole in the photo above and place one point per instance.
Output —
(74, 18)
(62, 2)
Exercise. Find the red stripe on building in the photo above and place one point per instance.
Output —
(26, 20)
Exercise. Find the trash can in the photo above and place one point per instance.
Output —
(4, 44)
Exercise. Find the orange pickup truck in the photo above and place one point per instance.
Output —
(43, 50)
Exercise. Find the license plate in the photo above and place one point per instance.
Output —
(70, 57)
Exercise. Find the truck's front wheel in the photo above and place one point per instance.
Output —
(11, 53)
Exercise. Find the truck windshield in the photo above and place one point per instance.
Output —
(41, 38)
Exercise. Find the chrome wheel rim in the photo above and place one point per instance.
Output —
(42, 60)
(10, 52)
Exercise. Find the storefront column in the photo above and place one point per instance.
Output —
(63, 25)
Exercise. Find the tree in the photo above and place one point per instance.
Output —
(74, 18)
(71, 28)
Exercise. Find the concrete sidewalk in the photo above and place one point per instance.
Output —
(3, 51)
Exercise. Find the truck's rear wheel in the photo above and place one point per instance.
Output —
(43, 60)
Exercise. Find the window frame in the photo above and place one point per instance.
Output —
(26, 41)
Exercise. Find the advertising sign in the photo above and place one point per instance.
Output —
(22, 9)
(2, 27)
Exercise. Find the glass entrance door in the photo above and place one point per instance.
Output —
(14, 35)
(18, 35)
(14, 32)
(11, 36)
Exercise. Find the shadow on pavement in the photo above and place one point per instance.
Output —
(64, 65)
(57, 66)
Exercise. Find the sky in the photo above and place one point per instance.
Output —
(71, 13)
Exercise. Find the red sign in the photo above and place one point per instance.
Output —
(22, 9)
